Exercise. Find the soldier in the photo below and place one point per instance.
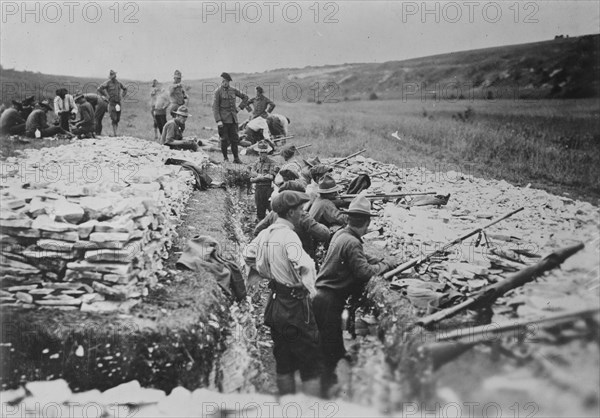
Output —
(225, 113)
(11, 121)
(111, 91)
(85, 125)
(177, 96)
(262, 175)
(37, 121)
(100, 105)
(280, 258)
(172, 134)
(262, 104)
(323, 209)
(345, 271)
(64, 107)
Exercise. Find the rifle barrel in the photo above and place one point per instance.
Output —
(350, 156)
(385, 195)
(282, 138)
(458, 240)
(297, 148)
(489, 294)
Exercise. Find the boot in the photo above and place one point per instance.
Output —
(224, 151)
(234, 151)
(286, 384)
(312, 387)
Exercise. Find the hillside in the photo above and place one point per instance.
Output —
(558, 69)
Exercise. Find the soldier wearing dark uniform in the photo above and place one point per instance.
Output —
(345, 271)
(225, 113)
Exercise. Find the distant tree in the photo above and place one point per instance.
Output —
(373, 96)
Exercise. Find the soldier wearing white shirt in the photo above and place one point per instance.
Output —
(64, 107)
(281, 258)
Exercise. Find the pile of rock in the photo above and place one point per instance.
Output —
(86, 225)
(54, 398)
(547, 223)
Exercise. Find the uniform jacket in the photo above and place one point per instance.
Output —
(224, 108)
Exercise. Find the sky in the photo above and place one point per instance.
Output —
(142, 40)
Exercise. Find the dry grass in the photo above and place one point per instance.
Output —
(553, 144)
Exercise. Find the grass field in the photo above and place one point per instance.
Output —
(552, 144)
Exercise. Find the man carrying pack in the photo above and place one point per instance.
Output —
(111, 91)
(225, 113)
(280, 258)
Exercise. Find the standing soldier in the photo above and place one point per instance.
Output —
(64, 107)
(280, 258)
(177, 96)
(153, 95)
(225, 113)
(262, 104)
(99, 104)
(111, 91)
(345, 271)
(262, 175)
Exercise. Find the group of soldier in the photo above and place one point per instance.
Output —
(79, 116)
(308, 293)
(261, 124)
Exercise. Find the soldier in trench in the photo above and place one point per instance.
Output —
(345, 271)
(279, 256)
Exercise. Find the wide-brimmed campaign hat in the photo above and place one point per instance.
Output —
(328, 185)
(112, 72)
(288, 199)
(78, 96)
(177, 73)
(182, 110)
(360, 206)
(320, 169)
(262, 146)
(226, 76)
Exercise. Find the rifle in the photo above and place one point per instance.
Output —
(454, 343)
(297, 148)
(489, 294)
(380, 196)
(348, 157)
(282, 138)
(416, 261)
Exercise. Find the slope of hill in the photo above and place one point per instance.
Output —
(560, 68)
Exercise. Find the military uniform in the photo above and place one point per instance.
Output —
(225, 111)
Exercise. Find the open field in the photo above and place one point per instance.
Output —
(551, 144)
